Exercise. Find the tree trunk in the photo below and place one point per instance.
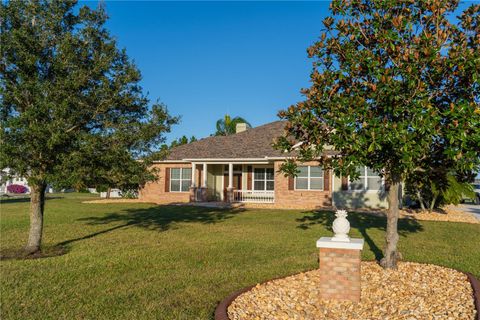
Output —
(432, 204)
(37, 205)
(107, 196)
(420, 199)
(391, 253)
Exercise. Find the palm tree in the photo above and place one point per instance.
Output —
(228, 125)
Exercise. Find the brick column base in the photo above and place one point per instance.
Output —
(193, 191)
(340, 269)
(203, 196)
(230, 196)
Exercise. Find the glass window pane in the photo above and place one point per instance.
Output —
(270, 174)
(374, 183)
(316, 171)
(175, 185)
(316, 184)
(259, 174)
(186, 185)
(357, 185)
(259, 185)
(301, 183)
(175, 173)
(370, 172)
(270, 185)
(303, 172)
(186, 173)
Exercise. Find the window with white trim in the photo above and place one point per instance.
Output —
(368, 180)
(309, 178)
(263, 179)
(180, 179)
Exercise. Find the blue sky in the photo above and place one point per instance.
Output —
(208, 59)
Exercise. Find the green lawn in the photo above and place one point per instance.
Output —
(129, 261)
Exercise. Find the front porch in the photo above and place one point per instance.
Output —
(232, 182)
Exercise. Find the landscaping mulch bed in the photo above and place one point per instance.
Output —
(413, 291)
(447, 214)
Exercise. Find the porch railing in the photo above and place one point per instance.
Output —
(254, 196)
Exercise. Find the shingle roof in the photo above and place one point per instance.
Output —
(253, 143)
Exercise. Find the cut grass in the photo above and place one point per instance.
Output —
(130, 261)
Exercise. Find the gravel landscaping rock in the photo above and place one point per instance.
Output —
(446, 214)
(413, 291)
(449, 214)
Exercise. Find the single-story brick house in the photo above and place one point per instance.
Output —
(243, 168)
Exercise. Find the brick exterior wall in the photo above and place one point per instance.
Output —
(340, 274)
(285, 198)
(155, 191)
(300, 199)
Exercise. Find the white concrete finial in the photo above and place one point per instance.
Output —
(341, 226)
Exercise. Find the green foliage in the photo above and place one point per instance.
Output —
(181, 141)
(395, 86)
(73, 112)
(130, 194)
(456, 191)
(228, 125)
(439, 187)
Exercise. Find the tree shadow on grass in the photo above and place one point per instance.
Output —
(362, 222)
(19, 199)
(159, 218)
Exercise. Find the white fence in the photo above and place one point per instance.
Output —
(254, 196)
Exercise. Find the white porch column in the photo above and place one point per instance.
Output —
(194, 167)
(204, 175)
(230, 175)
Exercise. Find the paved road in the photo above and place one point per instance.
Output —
(472, 208)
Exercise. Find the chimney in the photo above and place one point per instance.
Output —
(241, 127)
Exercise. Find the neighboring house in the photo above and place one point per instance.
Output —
(243, 168)
(6, 181)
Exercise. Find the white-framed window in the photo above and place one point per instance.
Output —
(180, 179)
(309, 178)
(263, 179)
(368, 180)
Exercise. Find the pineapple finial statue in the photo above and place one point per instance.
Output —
(341, 226)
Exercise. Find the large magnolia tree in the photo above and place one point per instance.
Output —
(395, 84)
(71, 105)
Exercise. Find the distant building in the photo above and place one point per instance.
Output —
(5, 181)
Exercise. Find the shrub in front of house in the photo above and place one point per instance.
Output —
(130, 194)
(16, 188)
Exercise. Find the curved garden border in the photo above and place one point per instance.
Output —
(221, 312)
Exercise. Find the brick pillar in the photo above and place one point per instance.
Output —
(230, 197)
(192, 190)
(340, 269)
(203, 194)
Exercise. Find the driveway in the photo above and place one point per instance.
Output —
(471, 208)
